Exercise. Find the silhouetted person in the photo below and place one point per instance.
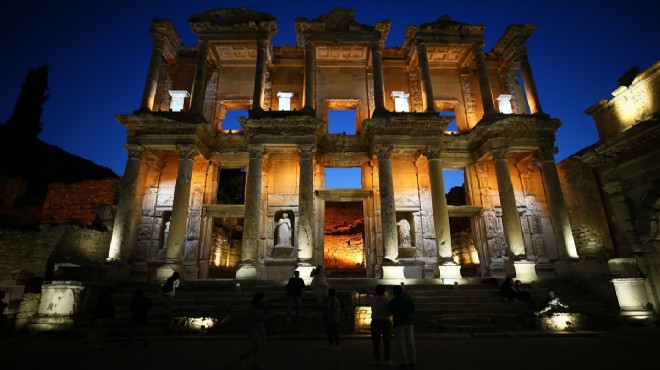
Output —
(139, 308)
(104, 311)
(256, 331)
(403, 309)
(520, 293)
(551, 303)
(4, 323)
(168, 288)
(506, 290)
(294, 289)
(333, 318)
(381, 327)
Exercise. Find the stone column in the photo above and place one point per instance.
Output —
(379, 84)
(528, 80)
(449, 271)
(252, 217)
(440, 211)
(119, 244)
(176, 240)
(561, 225)
(387, 211)
(510, 216)
(484, 83)
(152, 76)
(260, 75)
(426, 76)
(305, 236)
(199, 84)
(309, 75)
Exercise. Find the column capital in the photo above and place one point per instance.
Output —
(383, 151)
(308, 45)
(520, 52)
(256, 151)
(377, 46)
(500, 152)
(134, 151)
(546, 153)
(187, 151)
(421, 47)
(478, 47)
(306, 150)
(434, 152)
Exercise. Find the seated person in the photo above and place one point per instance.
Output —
(506, 290)
(552, 303)
(520, 294)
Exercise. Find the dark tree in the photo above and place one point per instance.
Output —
(25, 121)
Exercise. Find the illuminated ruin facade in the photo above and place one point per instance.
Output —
(397, 225)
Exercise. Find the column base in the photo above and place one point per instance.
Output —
(633, 300)
(115, 270)
(403, 270)
(450, 274)
(562, 267)
(247, 271)
(525, 271)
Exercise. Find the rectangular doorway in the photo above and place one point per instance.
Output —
(343, 239)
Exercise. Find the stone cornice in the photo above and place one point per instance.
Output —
(293, 126)
(232, 20)
(339, 24)
(162, 122)
(516, 126)
(339, 143)
(638, 141)
(513, 41)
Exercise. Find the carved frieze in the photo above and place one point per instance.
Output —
(415, 83)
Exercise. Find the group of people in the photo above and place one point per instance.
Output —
(511, 291)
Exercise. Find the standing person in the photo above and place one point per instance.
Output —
(402, 309)
(104, 310)
(551, 303)
(320, 283)
(381, 327)
(294, 289)
(139, 308)
(168, 288)
(333, 317)
(256, 331)
(4, 323)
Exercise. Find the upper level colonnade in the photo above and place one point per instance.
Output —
(441, 66)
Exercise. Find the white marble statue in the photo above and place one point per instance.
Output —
(404, 233)
(283, 230)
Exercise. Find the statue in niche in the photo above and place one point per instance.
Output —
(166, 234)
(404, 233)
(283, 231)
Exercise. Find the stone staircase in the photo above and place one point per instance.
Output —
(216, 307)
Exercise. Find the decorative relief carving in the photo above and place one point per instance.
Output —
(370, 92)
(468, 97)
(415, 83)
(256, 151)
(268, 86)
(187, 151)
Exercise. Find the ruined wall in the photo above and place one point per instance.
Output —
(586, 212)
(28, 257)
(344, 236)
(78, 203)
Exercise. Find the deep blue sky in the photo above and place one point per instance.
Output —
(99, 53)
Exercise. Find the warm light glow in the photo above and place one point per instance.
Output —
(401, 101)
(562, 322)
(200, 323)
(362, 319)
(504, 103)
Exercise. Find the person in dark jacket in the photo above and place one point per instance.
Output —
(403, 309)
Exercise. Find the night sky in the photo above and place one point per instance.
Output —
(99, 52)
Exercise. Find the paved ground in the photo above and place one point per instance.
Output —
(622, 349)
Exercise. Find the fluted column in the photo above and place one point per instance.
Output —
(199, 84)
(305, 236)
(252, 218)
(379, 84)
(309, 75)
(387, 211)
(423, 58)
(176, 240)
(528, 80)
(484, 82)
(119, 244)
(440, 210)
(510, 216)
(260, 75)
(152, 76)
(561, 224)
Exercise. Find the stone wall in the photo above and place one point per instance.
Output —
(28, 257)
(78, 203)
(344, 236)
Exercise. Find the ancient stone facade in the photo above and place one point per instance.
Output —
(614, 193)
(168, 209)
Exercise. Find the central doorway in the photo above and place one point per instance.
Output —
(343, 239)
